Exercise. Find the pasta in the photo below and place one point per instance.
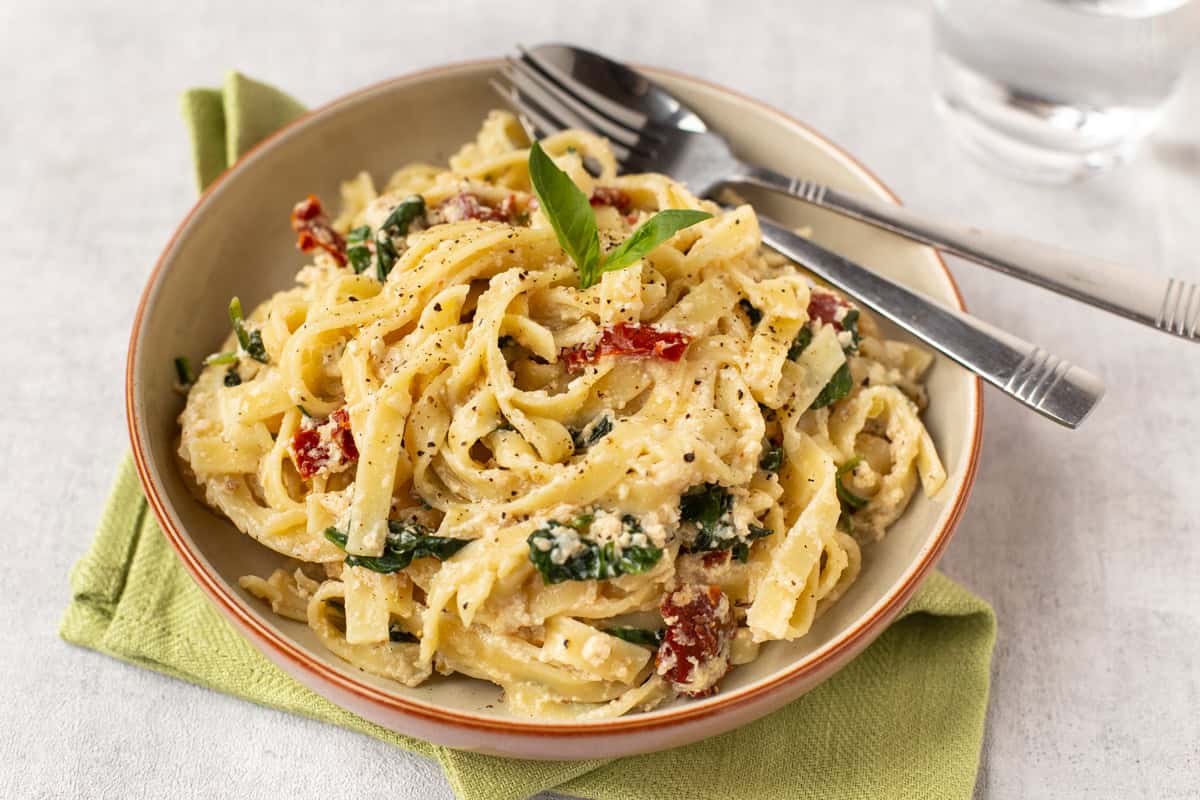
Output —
(599, 499)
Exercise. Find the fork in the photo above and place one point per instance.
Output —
(658, 132)
(552, 100)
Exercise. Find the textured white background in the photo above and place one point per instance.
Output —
(1088, 543)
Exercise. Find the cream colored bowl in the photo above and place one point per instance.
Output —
(237, 241)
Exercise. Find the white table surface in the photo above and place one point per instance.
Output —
(1087, 543)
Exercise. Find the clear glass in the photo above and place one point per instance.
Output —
(1055, 90)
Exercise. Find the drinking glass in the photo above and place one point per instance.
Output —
(1055, 90)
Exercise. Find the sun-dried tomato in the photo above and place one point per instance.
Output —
(465, 205)
(694, 654)
(608, 196)
(325, 446)
(313, 230)
(825, 306)
(628, 339)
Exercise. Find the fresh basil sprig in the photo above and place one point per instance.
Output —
(574, 222)
(405, 541)
(251, 342)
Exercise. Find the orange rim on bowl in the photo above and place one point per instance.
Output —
(839, 650)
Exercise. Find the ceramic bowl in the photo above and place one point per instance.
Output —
(236, 240)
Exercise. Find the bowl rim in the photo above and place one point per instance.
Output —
(843, 646)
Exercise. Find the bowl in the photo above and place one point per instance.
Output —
(236, 240)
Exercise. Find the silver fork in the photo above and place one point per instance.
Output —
(658, 132)
(549, 101)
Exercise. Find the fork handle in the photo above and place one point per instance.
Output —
(1167, 304)
(1047, 384)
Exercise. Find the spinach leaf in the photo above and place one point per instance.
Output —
(709, 508)
(650, 234)
(741, 550)
(385, 255)
(586, 559)
(356, 248)
(751, 311)
(183, 371)
(772, 458)
(600, 429)
(850, 501)
(403, 215)
(405, 542)
(850, 323)
(232, 378)
(839, 386)
(800, 343)
(640, 636)
(569, 212)
(250, 341)
(395, 226)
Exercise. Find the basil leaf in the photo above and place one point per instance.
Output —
(183, 371)
(838, 387)
(850, 501)
(640, 636)
(405, 542)
(800, 343)
(356, 248)
(650, 234)
(250, 341)
(588, 559)
(569, 212)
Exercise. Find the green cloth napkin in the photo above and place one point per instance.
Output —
(903, 720)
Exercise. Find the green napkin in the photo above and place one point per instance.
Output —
(903, 720)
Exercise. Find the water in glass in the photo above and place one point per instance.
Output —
(1058, 89)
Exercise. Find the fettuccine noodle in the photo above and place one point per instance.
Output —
(606, 497)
